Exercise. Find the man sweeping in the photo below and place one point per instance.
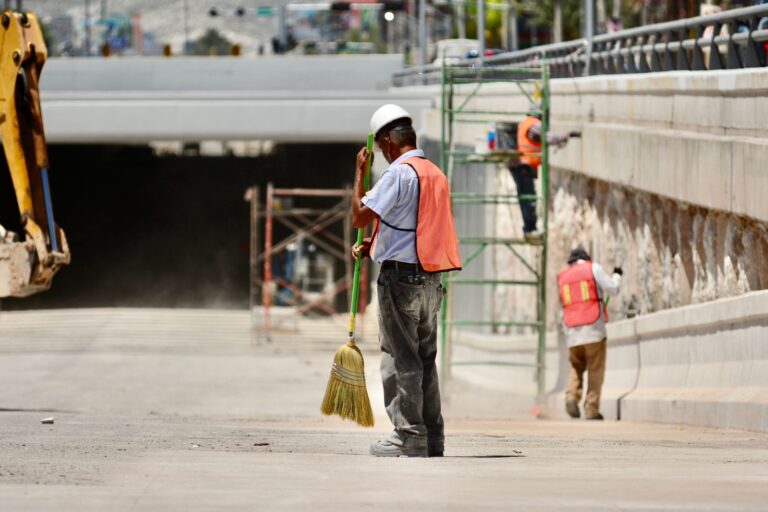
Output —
(413, 240)
(583, 285)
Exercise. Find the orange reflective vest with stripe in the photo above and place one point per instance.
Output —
(531, 150)
(578, 294)
(437, 246)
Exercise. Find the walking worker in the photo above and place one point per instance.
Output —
(414, 240)
(583, 285)
(525, 170)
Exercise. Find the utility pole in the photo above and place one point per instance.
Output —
(185, 7)
(513, 36)
(557, 28)
(462, 21)
(481, 29)
(505, 25)
(423, 32)
(589, 29)
(87, 28)
(282, 27)
(409, 44)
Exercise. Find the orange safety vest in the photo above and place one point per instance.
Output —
(578, 294)
(437, 246)
(531, 150)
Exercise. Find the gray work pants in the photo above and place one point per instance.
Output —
(408, 336)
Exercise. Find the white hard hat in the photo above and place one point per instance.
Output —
(385, 115)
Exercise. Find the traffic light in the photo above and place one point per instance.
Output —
(213, 12)
(240, 12)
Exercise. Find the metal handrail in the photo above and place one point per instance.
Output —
(670, 46)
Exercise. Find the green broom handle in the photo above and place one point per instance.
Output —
(360, 236)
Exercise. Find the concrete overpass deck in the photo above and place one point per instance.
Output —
(292, 99)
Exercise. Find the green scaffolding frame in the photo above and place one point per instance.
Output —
(451, 116)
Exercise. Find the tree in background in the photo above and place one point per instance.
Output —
(211, 43)
(493, 23)
(632, 13)
(542, 13)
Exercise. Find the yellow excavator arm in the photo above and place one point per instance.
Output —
(27, 266)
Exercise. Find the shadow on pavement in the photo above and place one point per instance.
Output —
(514, 456)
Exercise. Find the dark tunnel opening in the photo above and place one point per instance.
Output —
(165, 231)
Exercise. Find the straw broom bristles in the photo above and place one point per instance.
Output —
(346, 394)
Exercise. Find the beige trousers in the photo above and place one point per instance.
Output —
(589, 358)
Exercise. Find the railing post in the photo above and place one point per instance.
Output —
(698, 53)
(733, 59)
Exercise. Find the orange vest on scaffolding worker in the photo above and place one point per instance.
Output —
(578, 294)
(530, 149)
(437, 246)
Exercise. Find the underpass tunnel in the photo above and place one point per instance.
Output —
(165, 230)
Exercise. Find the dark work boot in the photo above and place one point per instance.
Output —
(435, 450)
(572, 408)
(594, 416)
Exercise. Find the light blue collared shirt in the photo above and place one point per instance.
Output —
(395, 200)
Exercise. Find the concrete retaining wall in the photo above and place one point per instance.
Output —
(705, 364)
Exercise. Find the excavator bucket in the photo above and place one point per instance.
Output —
(28, 260)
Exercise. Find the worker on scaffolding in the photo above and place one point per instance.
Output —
(525, 170)
(583, 285)
(409, 203)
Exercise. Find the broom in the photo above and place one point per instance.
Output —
(346, 394)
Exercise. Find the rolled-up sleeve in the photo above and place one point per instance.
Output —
(383, 196)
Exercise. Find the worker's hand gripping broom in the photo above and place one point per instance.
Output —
(346, 394)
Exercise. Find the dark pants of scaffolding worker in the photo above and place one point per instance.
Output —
(525, 180)
(408, 306)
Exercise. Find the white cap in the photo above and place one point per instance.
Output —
(385, 115)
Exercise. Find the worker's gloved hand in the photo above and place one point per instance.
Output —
(362, 250)
(617, 270)
(575, 134)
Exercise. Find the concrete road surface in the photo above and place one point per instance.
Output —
(191, 420)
